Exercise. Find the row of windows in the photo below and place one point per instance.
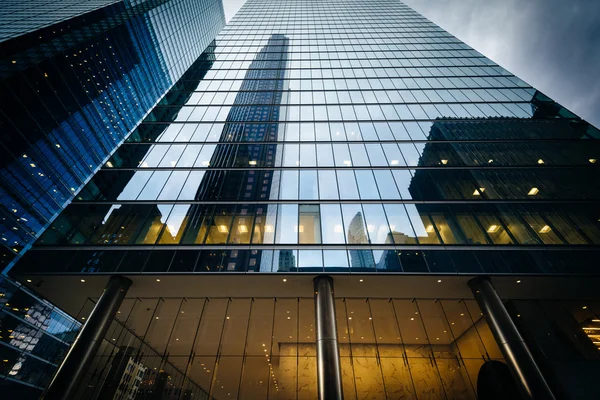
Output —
(295, 47)
(450, 130)
(294, 97)
(367, 83)
(373, 63)
(243, 113)
(328, 185)
(382, 224)
(314, 260)
(362, 72)
(391, 154)
(233, 39)
(346, 55)
(297, 25)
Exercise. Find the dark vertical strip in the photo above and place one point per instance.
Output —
(329, 374)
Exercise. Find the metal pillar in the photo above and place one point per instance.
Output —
(329, 372)
(528, 376)
(74, 366)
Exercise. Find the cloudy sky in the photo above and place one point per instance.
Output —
(554, 45)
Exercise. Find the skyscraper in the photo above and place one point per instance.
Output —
(347, 144)
(76, 77)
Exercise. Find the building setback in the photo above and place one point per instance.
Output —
(338, 199)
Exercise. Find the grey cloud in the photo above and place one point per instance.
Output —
(551, 44)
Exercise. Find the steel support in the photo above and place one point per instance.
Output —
(329, 374)
(524, 369)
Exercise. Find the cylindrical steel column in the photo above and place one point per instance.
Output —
(518, 357)
(84, 348)
(329, 372)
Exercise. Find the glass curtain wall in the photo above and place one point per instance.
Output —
(34, 338)
(259, 348)
(76, 79)
(340, 135)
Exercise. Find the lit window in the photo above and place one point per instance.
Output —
(493, 229)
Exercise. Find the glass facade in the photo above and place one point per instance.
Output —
(264, 348)
(392, 348)
(19, 17)
(311, 137)
(75, 82)
(34, 338)
(345, 137)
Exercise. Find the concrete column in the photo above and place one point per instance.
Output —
(528, 376)
(329, 372)
(74, 367)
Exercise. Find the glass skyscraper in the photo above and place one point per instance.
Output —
(76, 77)
(74, 85)
(356, 143)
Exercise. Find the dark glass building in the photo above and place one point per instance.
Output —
(76, 79)
(335, 143)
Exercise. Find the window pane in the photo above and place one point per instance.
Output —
(332, 227)
(289, 185)
(309, 228)
(335, 260)
(342, 155)
(308, 185)
(366, 185)
(354, 224)
(324, 155)
(422, 225)
(310, 260)
(328, 188)
(307, 155)
(348, 190)
(377, 224)
(287, 224)
(386, 184)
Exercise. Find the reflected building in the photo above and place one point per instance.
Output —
(349, 145)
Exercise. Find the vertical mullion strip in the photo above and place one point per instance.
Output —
(164, 357)
(430, 348)
(403, 348)
(217, 358)
(462, 361)
(245, 347)
(192, 355)
(377, 349)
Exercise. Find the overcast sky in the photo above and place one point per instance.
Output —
(554, 45)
